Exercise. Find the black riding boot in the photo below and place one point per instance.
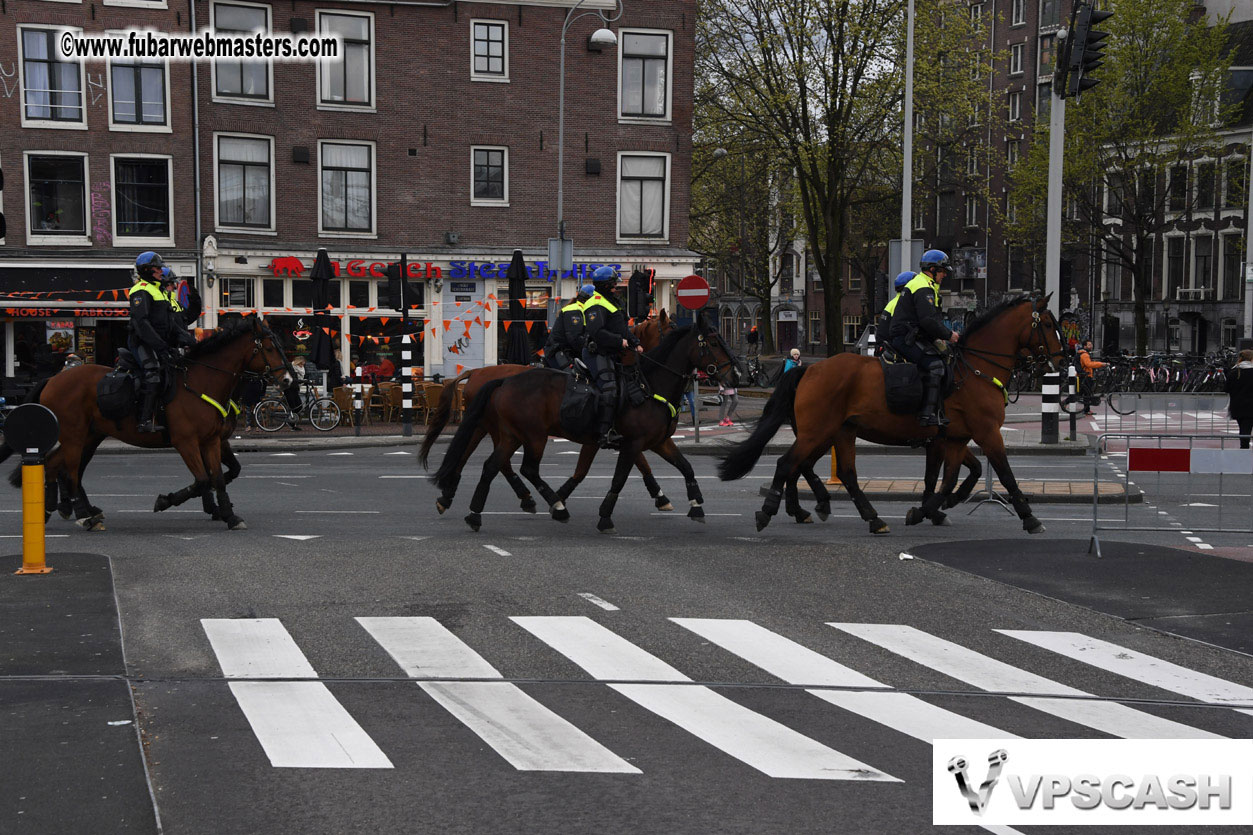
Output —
(931, 402)
(146, 409)
(608, 438)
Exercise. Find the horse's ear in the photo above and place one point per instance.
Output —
(1042, 303)
(662, 317)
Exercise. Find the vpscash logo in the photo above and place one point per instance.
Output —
(1094, 781)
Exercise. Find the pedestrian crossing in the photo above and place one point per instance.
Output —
(300, 723)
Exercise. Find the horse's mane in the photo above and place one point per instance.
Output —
(668, 341)
(220, 339)
(991, 313)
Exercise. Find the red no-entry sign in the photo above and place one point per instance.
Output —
(693, 292)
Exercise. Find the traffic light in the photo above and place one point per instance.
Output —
(639, 294)
(1085, 49)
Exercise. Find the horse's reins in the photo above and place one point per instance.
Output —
(1040, 353)
(245, 373)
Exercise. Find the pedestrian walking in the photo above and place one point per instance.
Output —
(1087, 375)
(730, 403)
(1240, 389)
(754, 341)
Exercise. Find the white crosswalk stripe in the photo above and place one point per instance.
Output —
(298, 723)
(756, 740)
(527, 734)
(956, 661)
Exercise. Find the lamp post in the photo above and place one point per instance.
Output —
(602, 37)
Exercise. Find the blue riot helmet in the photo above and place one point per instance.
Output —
(903, 279)
(605, 278)
(934, 259)
(587, 290)
(149, 265)
(167, 276)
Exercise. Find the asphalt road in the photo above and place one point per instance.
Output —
(572, 681)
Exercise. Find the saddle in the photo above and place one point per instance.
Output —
(902, 382)
(118, 392)
(579, 405)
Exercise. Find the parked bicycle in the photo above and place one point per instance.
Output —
(754, 374)
(273, 413)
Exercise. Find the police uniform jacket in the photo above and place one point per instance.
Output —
(153, 320)
(883, 322)
(570, 330)
(917, 315)
(606, 324)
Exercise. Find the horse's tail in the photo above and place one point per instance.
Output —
(461, 441)
(442, 412)
(778, 411)
(15, 477)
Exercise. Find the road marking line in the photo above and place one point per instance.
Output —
(297, 537)
(756, 740)
(416, 538)
(528, 735)
(336, 511)
(338, 453)
(285, 484)
(1205, 547)
(1139, 666)
(596, 601)
(797, 664)
(398, 453)
(298, 723)
(282, 454)
(958, 662)
(275, 476)
(496, 550)
(401, 476)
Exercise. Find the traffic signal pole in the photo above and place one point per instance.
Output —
(1053, 240)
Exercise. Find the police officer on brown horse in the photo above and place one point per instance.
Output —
(917, 324)
(156, 328)
(566, 339)
(607, 336)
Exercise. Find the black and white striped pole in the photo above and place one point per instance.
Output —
(1072, 393)
(406, 365)
(357, 392)
(870, 343)
(1050, 407)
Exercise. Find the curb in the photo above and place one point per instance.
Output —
(839, 490)
(722, 447)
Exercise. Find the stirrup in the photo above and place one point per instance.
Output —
(933, 420)
(610, 440)
(150, 426)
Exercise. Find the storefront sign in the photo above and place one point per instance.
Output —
(462, 287)
(538, 271)
(60, 334)
(77, 313)
(293, 267)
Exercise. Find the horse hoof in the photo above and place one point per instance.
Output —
(823, 510)
(878, 527)
(96, 526)
(530, 506)
(763, 519)
(605, 524)
(697, 514)
(66, 512)
(940, 519)
(475, 521)
(914, 516)
(441, 507)
(47, 516)
(1032, 525)
(237, 525)
(560, 514)
(952, 502)
(163, 502)
(663, 504)
(803, 518)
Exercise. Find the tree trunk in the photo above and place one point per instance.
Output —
(766, 327)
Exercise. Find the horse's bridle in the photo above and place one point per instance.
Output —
(258, 346)
(713, 369)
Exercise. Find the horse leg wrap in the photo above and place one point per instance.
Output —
(773, 497)
(607, 506)
(662, 503)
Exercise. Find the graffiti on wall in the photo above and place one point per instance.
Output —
(101, 219)
(7, 73)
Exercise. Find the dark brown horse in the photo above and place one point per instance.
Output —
(209, 374)
(648, 332)
(524, 411)
(835, 401)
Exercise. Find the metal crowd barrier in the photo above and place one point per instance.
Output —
(1206, 481)
(1164, 413)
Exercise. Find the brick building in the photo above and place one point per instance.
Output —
(433, 135)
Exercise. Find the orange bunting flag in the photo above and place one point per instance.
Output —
(383, 320)
(478, 320)
(460, 368)
(540, 352)
(467, 333)
(486, 324)
(528, 326)
(506, 325)
(447, 325)
(458, 304)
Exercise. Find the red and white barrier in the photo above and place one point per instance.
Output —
(1196, 460)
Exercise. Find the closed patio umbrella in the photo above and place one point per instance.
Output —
(322, 351)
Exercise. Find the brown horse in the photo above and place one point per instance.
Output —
(524, 411)
(209, 374)
(840, 398)
(648, 332)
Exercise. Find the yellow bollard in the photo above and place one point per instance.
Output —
(33, 522)
(834, 479)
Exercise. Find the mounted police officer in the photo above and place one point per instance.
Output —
(607, 336)
(917, 324)
(156, 328)
(884, 319)
(565, 340)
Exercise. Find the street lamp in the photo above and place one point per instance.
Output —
(601, 38)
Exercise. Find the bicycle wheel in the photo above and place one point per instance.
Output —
(324, 414)
(271, 415)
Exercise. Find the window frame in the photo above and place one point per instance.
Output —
(55, 124)
(1015, 106)
(1195, 280)
(139, 241)
(232, 98)
(669, 113)
(490, 77)
(499, 203)
(972, 211)
(272, 229)
(35, 237)
(372, 232)
(1215, 197)
(664, 238)
(345, 107)
(1018, 13)
(1168, 263)
(1017, 54)
(1229, 163)
(166, 125)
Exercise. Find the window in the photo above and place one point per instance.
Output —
(347, 194)
(1015, 107)
(976, 15)
(645, 74)
(237, 292)
(972, 210)
(1205, 185)
(972, 163)
(141, 197)
(1203, 262)
(489, 172)
(920, 219)
(1229, 331)
(137, 93)
(56, 189)
(245, 194)
(1043, 101)
(1015, 58)
(272, 292)
(1235, 184)
(814, 331)
(1018, 12)
(489, 50)
(1233, 266)
(1113, 270)
(852, 329)
(358, 294)
(1050, 13)
(642, 196)
(1174, 266)
(1048, 54)
(240, 79)
(1178, 188)
(349, 80)
(52, 89)
(1011, 210)
(1173, 335)
(1115, 185)
(1013, 150)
